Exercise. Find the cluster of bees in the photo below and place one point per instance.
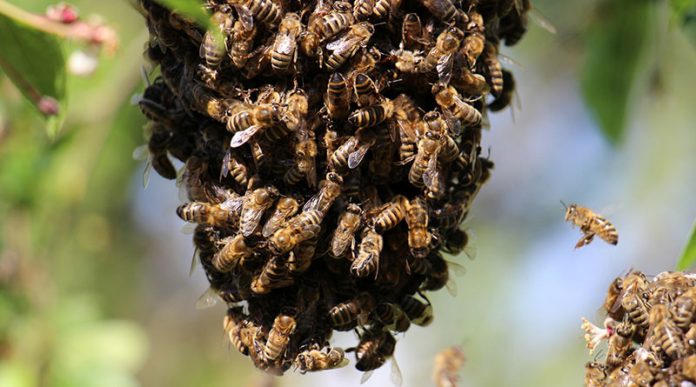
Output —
(650, 332)
(331, 151)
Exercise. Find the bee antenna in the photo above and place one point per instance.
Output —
(564, 205)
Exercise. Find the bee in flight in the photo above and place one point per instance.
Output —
(590, 224)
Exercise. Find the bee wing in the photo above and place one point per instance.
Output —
(431, 174)
(452, 287)
(444, 67)
(313, 202)
(395, 374)
(542, 21)
(284, 44)
(141, 153)
(456, 268)
(252, 221)
(355, 158)
(225, 170)
(208, 299)
(234, 204)
(345, 43)
(245, 17)
(271, 226)
(194, 262)
(312, 174)
(241, 138)
(453, 122)
(366, 376)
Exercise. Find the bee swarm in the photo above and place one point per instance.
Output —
(331, 150)
(650, 332)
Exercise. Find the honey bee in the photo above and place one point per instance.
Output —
(224, 215)
(595, 374)
(365, 90)
(273, 275)
(279, 336)
(620, 344)
(634, 299)
(373, 350)
(419, 313)
(447, 365)
(284, 50)
(316, 360)
(362, 9)
(242, 43)
(439, 274)
(664, 335)
(156, 154)
(409, 62)
(423, 169)
(391, 317)
(238, 329)
(347, 45)
(324, 25)
(507, 92)
(613, 298)
(296, 111)
(473, 44)
(685, 309)
(473, 84)
(299, 228)
(493, 69)
(444, 10)
(441, 57)
(329, 191)
(345, 316)
(232, 165)
(344, 236)
(206, 102)
(419, 237)
(305, 154)
(285, 208)
(232, 253)
(690, 338)
(301, 257)
(367, 261)
(372, 115)
(390, 214)
(689, 368)
(590, 224)
(337, 99)
(255, 204)
(213, 48)
(247, 122)
(265, 11)
(412, 32)
(449, 100)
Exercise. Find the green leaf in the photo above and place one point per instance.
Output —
(190, 8)
(688, 257)
(34, 61)
(616, 41)
(682, 7)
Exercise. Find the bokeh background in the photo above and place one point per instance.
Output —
(94, 269)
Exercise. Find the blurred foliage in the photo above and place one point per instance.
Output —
(191, 8)
(688, 258)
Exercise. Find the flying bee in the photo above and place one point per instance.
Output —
(507, 93)
(279, 336)
(449, 100)
(367, 261)
(232, 165)
(285, 208)
(316, 360)
(620, 344)
(347, 45)
(329, 191)
(238, 329)
(265, 11)
(365, 90)
(590, 224)
(469, 83)
(232, 253)
(372, 115)
(284, 50)
(444, 10)
(409, 62)
(441, 57)
(346, 315)
(389, 215)
(299, 228)
(391, 317)
(348, 225)
(324, 25)
(419, 237)
(664, 335)
(247, 122)
(419, 313)
(213, 48)
(255, 204)
(273, 275)
(473, 44)
(224, 215)
(362, 9)
(493, 69)
(447, 364)
(337, 98)
(242, 43)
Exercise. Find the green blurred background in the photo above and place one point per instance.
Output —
(94, 283)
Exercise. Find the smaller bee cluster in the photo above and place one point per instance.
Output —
(650, 331)
(332, 151)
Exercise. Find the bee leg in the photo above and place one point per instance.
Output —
(585, 240)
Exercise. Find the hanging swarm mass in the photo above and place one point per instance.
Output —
(650, 332)
(331, 150)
